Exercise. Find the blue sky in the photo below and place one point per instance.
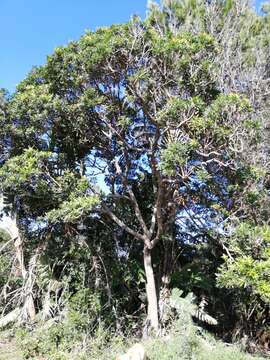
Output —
(31, 29)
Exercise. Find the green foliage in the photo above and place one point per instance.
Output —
(225, 106)
(224, 110)
(248, 239)
(57, 339)
(191, 277)
(4, 270)
(203, 175)
(175, 156)
(188, 341)
(124, 121)
(193, 346)
(177, 108)
(4, 236)
(8, 280)
(22, 169)
(247, 273)
(166, 112)
(199, 125)
(84, 307)
(73, 210)
(32, 176)
(185, 44)
(184, 340)
(98, 46)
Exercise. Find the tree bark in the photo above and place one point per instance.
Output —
(28, 310)
(151, 291)
(13, 230)
(168, 258)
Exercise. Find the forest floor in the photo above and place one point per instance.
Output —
(8, 350)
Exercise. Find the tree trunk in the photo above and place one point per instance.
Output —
(28, 310)
(151, 291)
(168, 259)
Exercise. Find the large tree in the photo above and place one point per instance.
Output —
(132, 124)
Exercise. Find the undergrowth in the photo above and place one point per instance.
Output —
(71, 338)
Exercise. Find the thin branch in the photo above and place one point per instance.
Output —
(125, 227)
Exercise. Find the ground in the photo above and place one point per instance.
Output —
(8, 351)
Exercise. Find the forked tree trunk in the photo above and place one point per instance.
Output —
(151, 291)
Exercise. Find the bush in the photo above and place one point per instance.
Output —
(72, 338)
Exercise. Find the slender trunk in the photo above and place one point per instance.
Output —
(165, 273)
(151, 291)
(168, 259)
(18, 244)
(28, 310)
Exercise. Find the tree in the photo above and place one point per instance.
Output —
(142, 104)
(242, 66)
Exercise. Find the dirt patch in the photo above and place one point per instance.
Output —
(8, 351)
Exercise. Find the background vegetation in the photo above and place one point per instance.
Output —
(135, 173)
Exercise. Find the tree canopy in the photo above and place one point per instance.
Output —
(140, 151)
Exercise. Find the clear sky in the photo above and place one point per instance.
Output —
(31, 29)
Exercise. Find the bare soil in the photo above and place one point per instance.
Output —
(8, 351)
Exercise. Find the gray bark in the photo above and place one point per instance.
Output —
(151, 291)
